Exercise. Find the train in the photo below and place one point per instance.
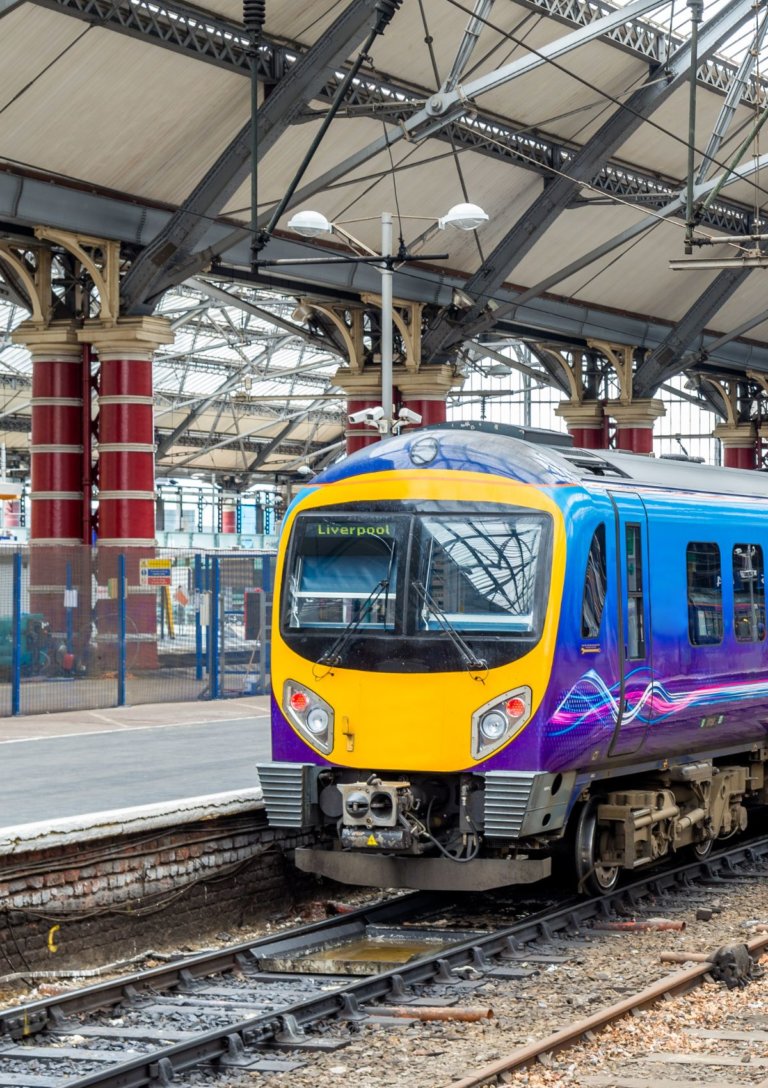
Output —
(494, 653)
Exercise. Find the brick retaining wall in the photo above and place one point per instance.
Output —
(104, 898)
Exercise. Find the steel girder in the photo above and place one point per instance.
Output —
(674, 207)
(270, 446)
(223, 43)
(666, 359)
(220, 295)
(447, 332)
(152, 272)
(229, 383)
(33, 200)
(181, 28)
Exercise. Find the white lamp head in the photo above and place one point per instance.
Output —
(309, 224)
(464, 217)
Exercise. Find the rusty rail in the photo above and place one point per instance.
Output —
(559, 1040)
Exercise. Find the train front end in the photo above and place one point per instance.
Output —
(415, 621)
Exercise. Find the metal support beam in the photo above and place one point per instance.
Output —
(666, 359)
(168, 441)
(673, 207)
(529, 228)
(272, 445)
(153, 271)
(220, 295)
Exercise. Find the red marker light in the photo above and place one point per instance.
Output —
(299, 702)
(515, 708)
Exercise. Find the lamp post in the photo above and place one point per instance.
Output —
(311, 224)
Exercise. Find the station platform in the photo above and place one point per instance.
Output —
(59, 766)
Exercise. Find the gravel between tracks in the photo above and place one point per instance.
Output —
(603, 970)
(598, 971)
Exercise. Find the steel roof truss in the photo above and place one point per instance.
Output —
(445, 98)
(234, 300)
(543, 212)
(152, 271)
(676, 206)
(272, 445)
(665, 360)
(736, 92)
(165, 444)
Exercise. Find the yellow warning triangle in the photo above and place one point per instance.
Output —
(371, 841)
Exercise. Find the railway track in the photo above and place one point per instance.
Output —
(271, 1005)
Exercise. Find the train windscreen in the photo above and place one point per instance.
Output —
(345, 572)
(415, 574)
(479, 573)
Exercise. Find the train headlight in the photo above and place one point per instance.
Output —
(311, 715)
(493, 725)
(317, 721)
(496, 722)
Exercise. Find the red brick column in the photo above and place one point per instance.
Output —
(363, 391)
(425, 390)
(740, 444)
(56, 452)
(126, 445)
(585, 423)
(634, 423)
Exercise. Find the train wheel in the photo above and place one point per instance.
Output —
(702, 850)
(593, 878)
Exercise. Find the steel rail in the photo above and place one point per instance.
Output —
(25, 1020)
(287, 1027)
(671, 986)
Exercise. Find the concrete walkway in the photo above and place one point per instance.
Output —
(117, 719)
(54, 766)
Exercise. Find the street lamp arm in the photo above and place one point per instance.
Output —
(393, 261)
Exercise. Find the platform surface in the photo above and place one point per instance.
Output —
(73, 763)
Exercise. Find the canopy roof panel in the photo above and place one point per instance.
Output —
(566, 123)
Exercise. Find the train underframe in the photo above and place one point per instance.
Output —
(473, 832)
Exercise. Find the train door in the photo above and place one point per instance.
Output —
(634, 698)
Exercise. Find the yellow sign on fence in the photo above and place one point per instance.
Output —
(155, 572)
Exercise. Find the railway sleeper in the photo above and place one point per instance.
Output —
(639, 826)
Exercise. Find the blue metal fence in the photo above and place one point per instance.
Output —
(80, 629)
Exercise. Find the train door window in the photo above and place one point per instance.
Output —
(593, 600)
(748, 593)
(705, 594)
(635, 609)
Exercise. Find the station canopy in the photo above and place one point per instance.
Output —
(569, 123)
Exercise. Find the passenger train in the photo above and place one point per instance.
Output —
(489, 651)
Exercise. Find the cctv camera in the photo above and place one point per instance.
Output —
(408, 416)
(367, 415)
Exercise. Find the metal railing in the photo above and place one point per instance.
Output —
(83, 628)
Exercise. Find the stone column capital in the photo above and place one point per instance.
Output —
(428, 383)
(636, 413)
(737, 435)
(363, 385)
(128, 337)
(583, 416)
(54, 340)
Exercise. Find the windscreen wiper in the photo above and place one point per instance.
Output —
(470, 659)
(332, 656)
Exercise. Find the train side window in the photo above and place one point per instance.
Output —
(593, 600)
(705, 594)
(748, 593)
(635, 609)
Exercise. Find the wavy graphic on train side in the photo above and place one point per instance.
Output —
(646, 700)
